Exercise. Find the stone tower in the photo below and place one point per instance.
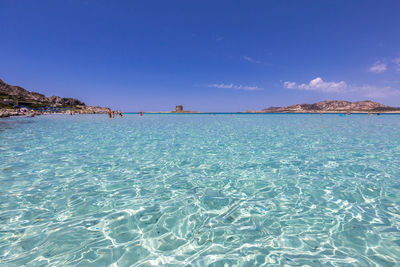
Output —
(179, 108)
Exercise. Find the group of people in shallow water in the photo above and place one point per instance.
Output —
(114, 113)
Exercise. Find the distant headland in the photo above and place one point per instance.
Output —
(15, 100)
(332, 106)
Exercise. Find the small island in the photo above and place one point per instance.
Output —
(178, 109)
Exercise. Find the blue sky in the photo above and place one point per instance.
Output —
(206, 55)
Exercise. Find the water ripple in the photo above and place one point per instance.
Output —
(199, 190)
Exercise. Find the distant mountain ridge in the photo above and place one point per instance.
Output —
(16, 95)
(334, 106)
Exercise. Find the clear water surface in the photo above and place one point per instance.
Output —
(200, 190)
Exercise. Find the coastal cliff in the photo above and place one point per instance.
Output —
(334, 106)
(12, 98)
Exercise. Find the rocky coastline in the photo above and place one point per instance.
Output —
(83, 110)
(17, 101)
(332, 106)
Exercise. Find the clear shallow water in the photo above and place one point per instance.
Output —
(197, 190)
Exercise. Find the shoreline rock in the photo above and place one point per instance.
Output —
(17, 101)
(4, 113)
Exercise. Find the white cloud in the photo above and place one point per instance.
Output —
(290, 85)
(317, 84)
(378, 67)
(396, 62)
(235, 86)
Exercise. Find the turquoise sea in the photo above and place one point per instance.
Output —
(200, 190)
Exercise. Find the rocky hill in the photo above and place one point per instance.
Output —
(333, 106)
(13, 97)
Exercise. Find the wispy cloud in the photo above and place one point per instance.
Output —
(378, 67)
(252, 60)
(396, 63)
(376, 92)
(235, 86)
(342, 87)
